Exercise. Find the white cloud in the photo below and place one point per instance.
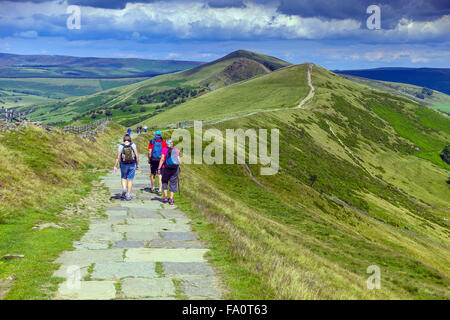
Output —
(192, 19)
(27, 34)
(172, 55)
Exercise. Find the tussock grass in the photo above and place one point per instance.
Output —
(284, 238)
(43, 173)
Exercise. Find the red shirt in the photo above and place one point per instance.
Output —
(150, 145)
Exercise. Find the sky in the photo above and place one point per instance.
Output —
(331, 33)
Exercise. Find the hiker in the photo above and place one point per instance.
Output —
(170, 165)
(129, 163)
(155, 149)
(129, 132)
(145, 128)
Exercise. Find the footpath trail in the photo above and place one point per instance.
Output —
(144, 249)
(298, 105)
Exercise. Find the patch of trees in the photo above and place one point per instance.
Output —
(445, 155)
(427, 91)
(172, 96)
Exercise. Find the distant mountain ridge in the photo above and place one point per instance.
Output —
(56, 66)
(433, 78)
(240, 65)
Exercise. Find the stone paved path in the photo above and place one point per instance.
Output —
(143, 250)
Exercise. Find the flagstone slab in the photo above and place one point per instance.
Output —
(160, 243)
(87, 257)
(118, 208)
(155, 227)
(128, 244)
(137, 228)
(142, 236)
(157, 287)
(117, 213)
(152, 205)
(93, 236)
(87, 290)
(71, 271)
(171, 213)
(100, 227)
(186, 268)
(137, 212)
(166, 255)
(201, 287)
(111, 220)
(178, 236)
(148, 221)
(119, 270)
(91, 245)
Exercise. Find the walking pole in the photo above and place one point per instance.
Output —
(179, 189)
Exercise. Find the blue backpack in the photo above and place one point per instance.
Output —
(172, 160)
(157, 148)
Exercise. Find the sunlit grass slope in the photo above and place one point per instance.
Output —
(41, 174)
(286, 238)
(279, 89)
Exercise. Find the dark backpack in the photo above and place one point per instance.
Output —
(172, 159)
(157, 148)
(128, 155)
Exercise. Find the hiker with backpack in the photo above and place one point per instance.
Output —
(170, 166)
(155, 149)
(129, 163)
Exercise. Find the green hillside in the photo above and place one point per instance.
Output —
(361, 183)
(135, 100)
(432, 98)
(279, 89)
(24, 92)
(43, 175)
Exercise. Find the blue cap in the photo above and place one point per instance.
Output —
(158, 133)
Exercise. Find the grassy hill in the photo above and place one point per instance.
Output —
(361, 183)
(53, 66)
(431, 98)
(132, 103)
(279, 89)
(24, 92)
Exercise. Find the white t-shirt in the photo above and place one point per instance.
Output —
(121, 147)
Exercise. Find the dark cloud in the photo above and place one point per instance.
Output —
(226, 4)
(391, 11)
(106, 4)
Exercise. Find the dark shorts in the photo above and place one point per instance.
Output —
(127, 171)
(170, 178)
(154, 166)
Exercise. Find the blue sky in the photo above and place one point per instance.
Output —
(330, 33)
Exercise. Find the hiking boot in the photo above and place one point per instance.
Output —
(158, 191)
(170, 201)
(128, 197)
(123, 194)
(165, 200)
